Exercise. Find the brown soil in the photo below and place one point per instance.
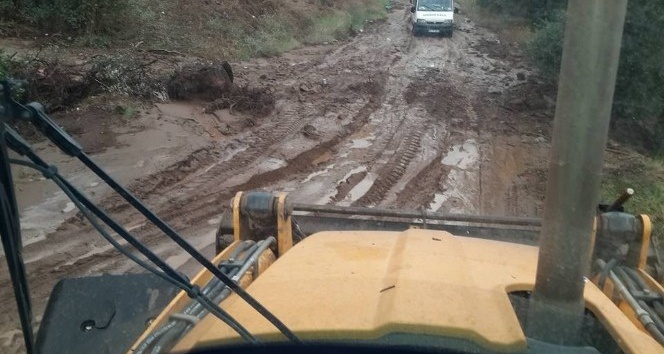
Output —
(384, 119)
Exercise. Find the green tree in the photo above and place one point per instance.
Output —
(71, 16)
(639, 93)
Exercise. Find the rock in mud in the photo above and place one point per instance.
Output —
(521, 76)
(495, 90)
(309, 131)
(516, 102)
(198, 81)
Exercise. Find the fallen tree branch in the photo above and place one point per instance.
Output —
(165, 52)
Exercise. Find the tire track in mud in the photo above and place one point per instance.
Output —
(418, 191)
(199, 209)
(301, 164)
(202, 188)
(391, 173)
(289, 122)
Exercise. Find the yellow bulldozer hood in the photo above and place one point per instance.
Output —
(352, 286)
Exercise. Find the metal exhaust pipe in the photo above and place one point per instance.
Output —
(593, 36)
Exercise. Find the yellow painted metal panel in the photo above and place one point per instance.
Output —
(365, 285)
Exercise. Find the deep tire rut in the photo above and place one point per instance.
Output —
(394, 170)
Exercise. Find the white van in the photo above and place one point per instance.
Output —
(433, 16)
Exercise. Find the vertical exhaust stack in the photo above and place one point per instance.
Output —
(593, 35)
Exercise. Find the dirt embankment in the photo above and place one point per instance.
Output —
(385, 119)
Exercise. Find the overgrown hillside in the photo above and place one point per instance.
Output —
(81, 49)
(638, 105)
(209, 28)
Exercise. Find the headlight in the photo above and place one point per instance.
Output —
(449, 21)
(419, 20)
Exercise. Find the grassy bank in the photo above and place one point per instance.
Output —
(510, 28)
(237, 30)
(230, 29)
(646, 176)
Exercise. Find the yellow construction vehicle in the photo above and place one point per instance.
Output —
(410, 283)
(292, 277)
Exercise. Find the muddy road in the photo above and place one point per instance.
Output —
(387, 119)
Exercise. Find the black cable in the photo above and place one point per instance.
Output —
(18, 276)
(191, 290)
(170, 232)
(297, 230)
(67, 144)
(634, 275)
(656, 320)
(10, 233)
(605, 271)
(176, 328)
(163, 337)
(115, 226)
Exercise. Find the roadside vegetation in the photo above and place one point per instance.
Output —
(646, 176)
(639, 99)
(120, 32)
(638, 106)
(226, 29)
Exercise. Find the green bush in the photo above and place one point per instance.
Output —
(91, 16)
(271, 36)
(640, 82)
(546, 46)
(72, 16)
(328, 28)
(534, 10)
(639, 93)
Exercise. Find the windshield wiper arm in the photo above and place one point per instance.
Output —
(10, 230)
(35, 114)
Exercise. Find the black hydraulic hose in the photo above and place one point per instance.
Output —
(163, 339)
(214, 291)
(253, 254)
(215, 286)
(193, 292)
(129, 197)
(210, 290)
(629, 283)
(641, 313)
(659, 308)
(169, 338)
(636, 277)
(152, 337)
(604, 272)
(653, 315)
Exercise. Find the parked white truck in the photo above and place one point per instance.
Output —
(432, 16)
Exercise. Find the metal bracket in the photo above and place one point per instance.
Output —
(258, 215)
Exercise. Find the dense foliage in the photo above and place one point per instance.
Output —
(639, 94)
(70, 16)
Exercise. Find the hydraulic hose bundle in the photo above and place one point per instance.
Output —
(646, 303)
(243, 258)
